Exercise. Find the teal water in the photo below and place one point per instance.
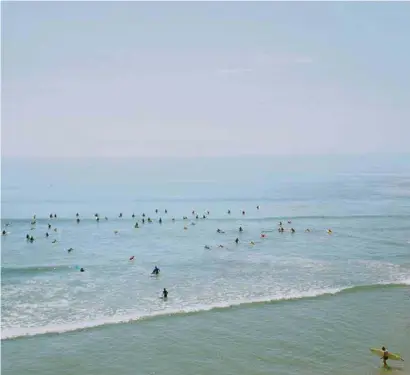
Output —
(303, 302)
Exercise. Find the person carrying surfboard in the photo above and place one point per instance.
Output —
(385, 356)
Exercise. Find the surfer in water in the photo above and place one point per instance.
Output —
(165, 294)
(385, 356)
(155, 271)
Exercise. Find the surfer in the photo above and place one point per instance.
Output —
(385, 356)
(155, 271)
(165, 294)
(4, 233)
(237, 240)
(240, 229)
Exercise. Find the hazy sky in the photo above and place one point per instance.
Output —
(134, 79)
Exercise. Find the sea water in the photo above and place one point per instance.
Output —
(285, 303)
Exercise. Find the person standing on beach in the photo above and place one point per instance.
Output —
(385, 356)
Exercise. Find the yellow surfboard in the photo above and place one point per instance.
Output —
(392, 356)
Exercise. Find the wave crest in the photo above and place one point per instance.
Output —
(14, 333)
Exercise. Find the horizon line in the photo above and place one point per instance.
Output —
(73, 157)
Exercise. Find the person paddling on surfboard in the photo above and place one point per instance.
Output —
(385, 356)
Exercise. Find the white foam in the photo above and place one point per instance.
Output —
(15, 332)
(9, 333)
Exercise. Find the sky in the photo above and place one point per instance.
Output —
(152, 79)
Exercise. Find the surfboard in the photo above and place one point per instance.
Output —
(392, 356)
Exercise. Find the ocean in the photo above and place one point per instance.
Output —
(309, 302)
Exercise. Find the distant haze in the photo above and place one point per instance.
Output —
(92, 79)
